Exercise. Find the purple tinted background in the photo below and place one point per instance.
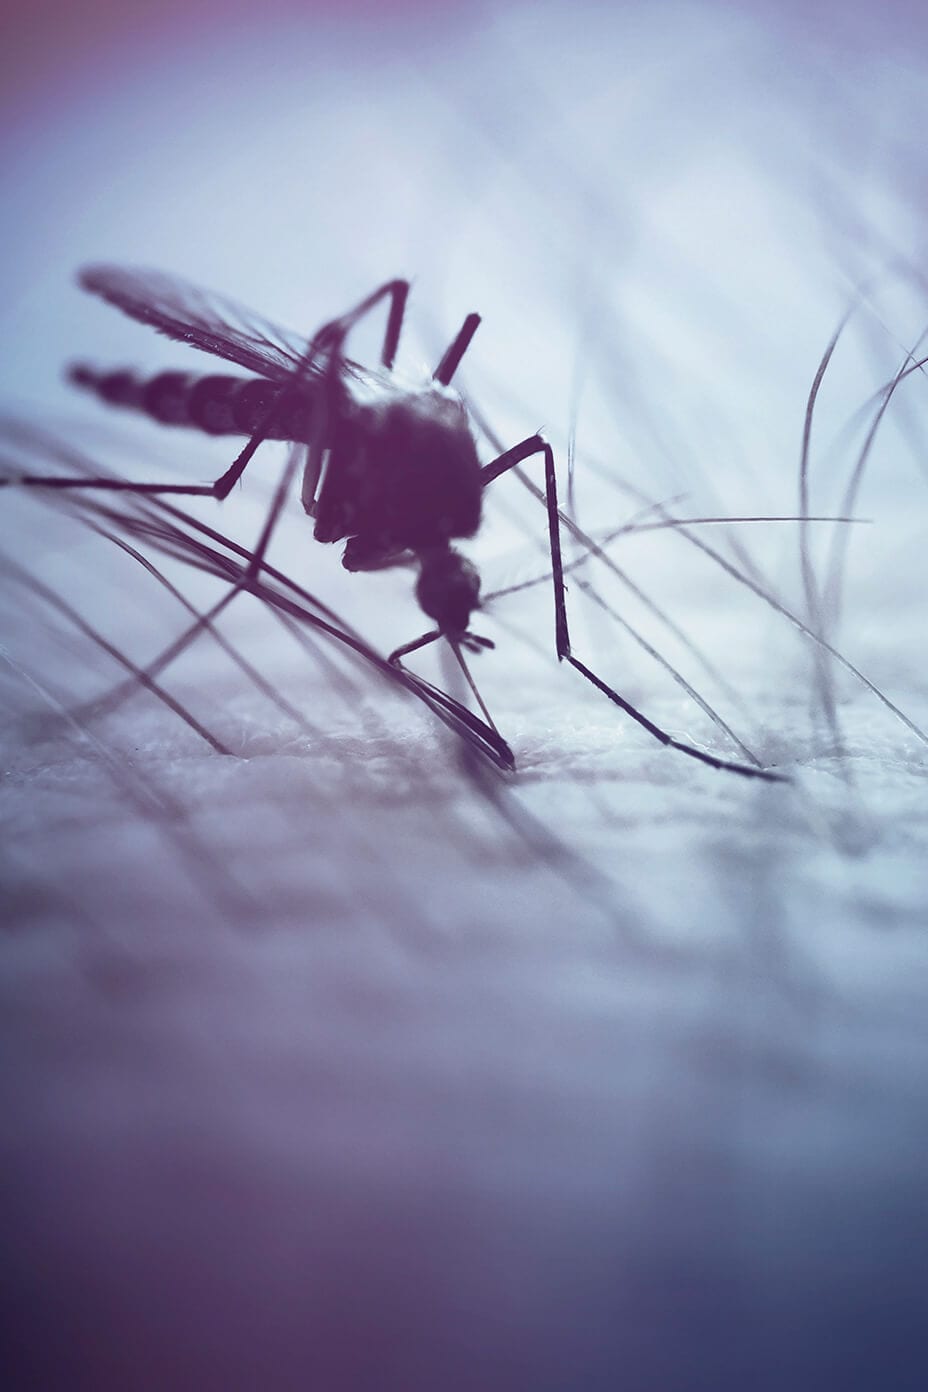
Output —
(445, 1129)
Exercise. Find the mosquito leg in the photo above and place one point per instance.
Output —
(414, 646)
(333, 334)
(391, 339)
(455, 352)
(227, 481)
(202, 623)
(330, 341)
(251, 672)
(220, 489)
(535, 444)
(277, 503)
(205, 622)
(330, 338)
(139, 677)
(121, 485)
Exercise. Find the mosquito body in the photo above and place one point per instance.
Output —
(388, 466)
(217, 404)
(400, 475)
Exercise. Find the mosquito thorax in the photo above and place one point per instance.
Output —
(403, 469)
(448, 588)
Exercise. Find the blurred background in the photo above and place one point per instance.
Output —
(343, 1062)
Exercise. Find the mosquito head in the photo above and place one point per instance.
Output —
(448, 589)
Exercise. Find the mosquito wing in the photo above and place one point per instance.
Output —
(210, 322)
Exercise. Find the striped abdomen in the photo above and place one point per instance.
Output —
(218, 405)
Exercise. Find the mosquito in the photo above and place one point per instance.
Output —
(390, 466)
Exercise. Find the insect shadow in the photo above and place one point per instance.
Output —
(387, 465)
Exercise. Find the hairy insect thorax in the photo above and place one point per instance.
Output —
(401, 472)
(402, 475)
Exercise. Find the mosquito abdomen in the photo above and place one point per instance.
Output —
(217, 404)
